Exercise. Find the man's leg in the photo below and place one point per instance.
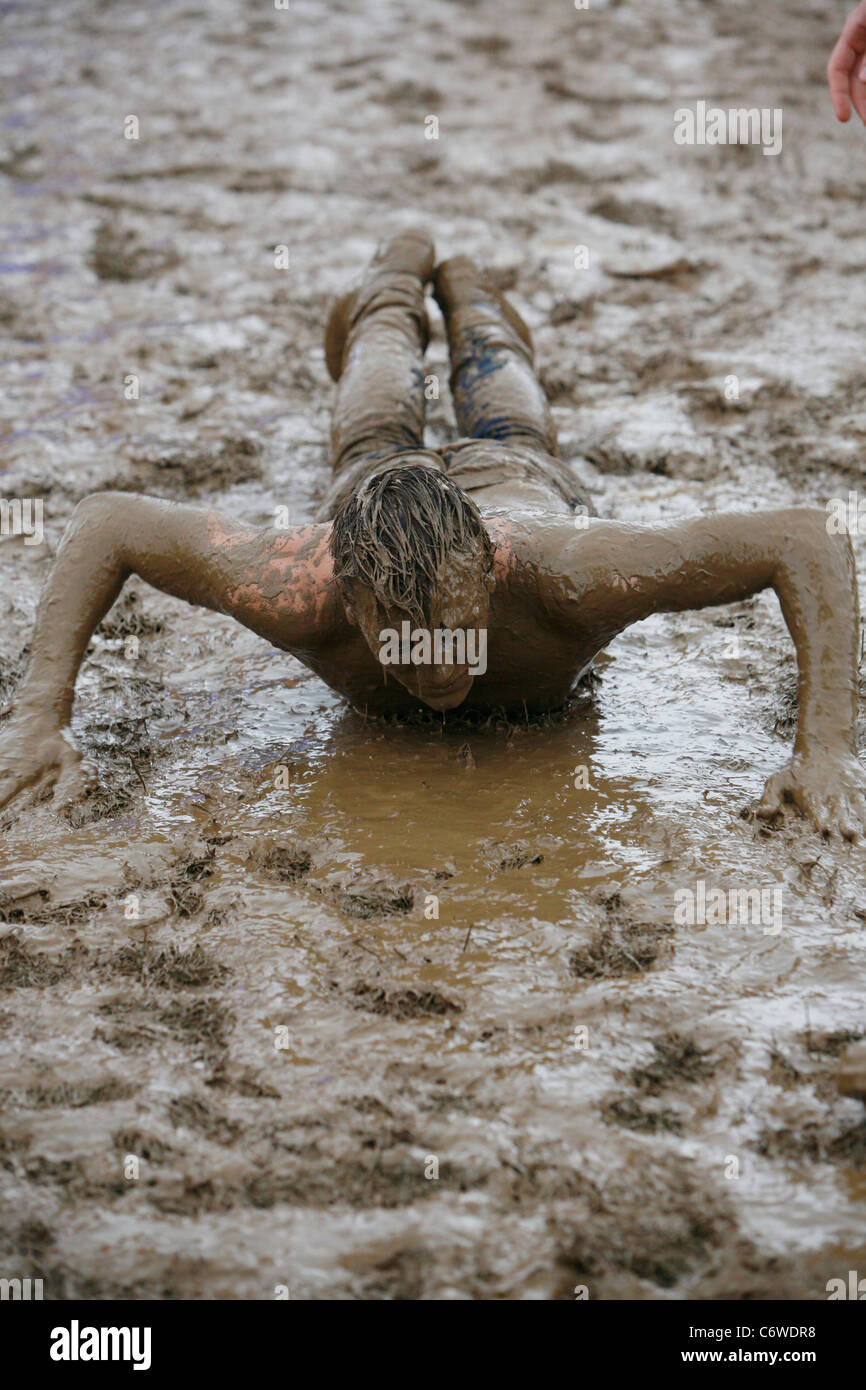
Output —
(496, 392)
(374, 347)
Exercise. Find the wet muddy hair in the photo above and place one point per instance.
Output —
(395, 533)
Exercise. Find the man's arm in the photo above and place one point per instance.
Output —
(276, 584)
(620, 574)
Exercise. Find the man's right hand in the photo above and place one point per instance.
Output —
(35, 754)
(829, 790)
(846, 70)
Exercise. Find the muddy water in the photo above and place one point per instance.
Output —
(227, 964)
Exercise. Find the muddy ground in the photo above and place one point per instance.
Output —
(233, 1035)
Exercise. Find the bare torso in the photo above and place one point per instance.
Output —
(532, 662)
(531, 665)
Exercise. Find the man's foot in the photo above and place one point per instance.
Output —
(459, 278)
(408, 253)
(851, 1075)
(337, 331)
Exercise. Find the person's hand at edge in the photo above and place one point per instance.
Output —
(846, 70)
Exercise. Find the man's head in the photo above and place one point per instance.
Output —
(410, 547)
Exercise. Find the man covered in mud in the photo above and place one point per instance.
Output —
(486, 540)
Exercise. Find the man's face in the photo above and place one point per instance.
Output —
(438, 670)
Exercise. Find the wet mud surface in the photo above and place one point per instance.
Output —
(226, 963)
